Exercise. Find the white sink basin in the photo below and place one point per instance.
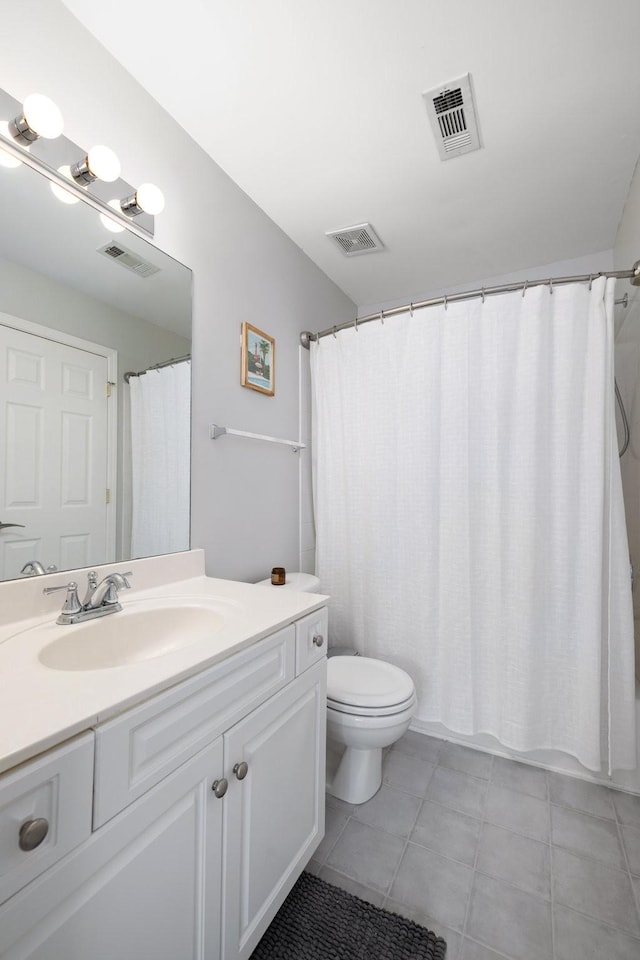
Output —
(142, 630)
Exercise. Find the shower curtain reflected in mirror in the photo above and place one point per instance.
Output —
(469, 515)
(160, 460)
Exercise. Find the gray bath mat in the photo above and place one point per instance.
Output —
(318, 921)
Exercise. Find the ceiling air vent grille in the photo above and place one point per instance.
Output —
(453, 118)
(357, 240)
(129, 260)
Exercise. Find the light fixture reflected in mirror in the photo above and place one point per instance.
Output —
(64, 196)
(147, 199)
(7, 159)
(100, 163)
(40, 118)
(108, 222)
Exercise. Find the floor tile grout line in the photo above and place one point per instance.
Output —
(498, 953)
(406, 844)
(551, 873)
(599, 921)
(634, 893)
(333, 845)
(475, 864)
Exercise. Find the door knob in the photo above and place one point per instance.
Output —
(318, 640)
(241, 770)
(219, 787)
(32, 833)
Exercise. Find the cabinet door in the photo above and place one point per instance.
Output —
(274, 817)
(136, 889)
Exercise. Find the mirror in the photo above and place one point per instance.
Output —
(79, 307)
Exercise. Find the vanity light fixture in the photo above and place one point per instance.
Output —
(100, 163)
(39, 118)
(147, 199)
(34, 138)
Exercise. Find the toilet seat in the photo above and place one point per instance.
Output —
(365, 687)
(354, 711)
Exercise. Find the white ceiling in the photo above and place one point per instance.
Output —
(314, 108)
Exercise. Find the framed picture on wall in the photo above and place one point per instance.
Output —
(258, 360)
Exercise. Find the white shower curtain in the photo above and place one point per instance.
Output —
(469, 515)
(160, 467)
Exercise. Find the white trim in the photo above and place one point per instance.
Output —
(111, 356)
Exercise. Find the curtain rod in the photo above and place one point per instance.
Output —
(633, 275)
(155, 366)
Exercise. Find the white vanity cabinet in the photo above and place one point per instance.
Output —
(208, 801)
(144, 886)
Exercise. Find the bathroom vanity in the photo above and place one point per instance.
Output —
(172, 819)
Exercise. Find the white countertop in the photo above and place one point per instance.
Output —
(41, 707)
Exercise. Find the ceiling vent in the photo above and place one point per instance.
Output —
(452, 114)
(354, 241)
(115, 251)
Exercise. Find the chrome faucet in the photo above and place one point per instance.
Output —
(105, 593)
(33, 568)
(100, 598)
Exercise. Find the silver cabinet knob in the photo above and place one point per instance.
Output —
(32, 833)
(241, 770)
(318, 640)
(219, 787)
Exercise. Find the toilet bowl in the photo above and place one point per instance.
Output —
(369, 706)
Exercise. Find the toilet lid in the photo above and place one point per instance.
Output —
(364, 682)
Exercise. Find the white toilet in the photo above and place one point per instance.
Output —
(369, 706)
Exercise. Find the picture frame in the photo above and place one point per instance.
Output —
(258, 360)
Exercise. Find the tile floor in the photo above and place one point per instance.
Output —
(502, 859)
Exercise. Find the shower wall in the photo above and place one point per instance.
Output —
(627, 353)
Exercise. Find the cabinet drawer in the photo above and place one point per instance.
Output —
(137, 750)
(311, 639)
(57, 788)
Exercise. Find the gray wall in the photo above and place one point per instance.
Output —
(245, 507)
(626, 252)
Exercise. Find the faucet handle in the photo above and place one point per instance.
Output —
(92, 583)
(71, 603)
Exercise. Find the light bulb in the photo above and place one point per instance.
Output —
(7, 159)
(149, 198)
(42, 116)
(100, 163)
(103, 163)
(64, 196)
(106, 220)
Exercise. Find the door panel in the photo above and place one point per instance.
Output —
(274, 818)
(53, 439)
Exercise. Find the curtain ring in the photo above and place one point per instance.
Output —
(382, 317)
(551, 285)
(411, 310)
(334, 332)
(590, 281)
(355, 323)
(445, 302)
(524, 288)
(482, 294)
